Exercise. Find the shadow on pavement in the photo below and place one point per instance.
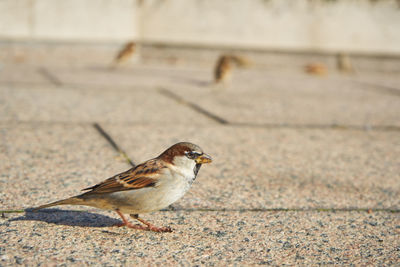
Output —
(67, 217)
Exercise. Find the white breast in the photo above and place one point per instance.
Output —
(184, 166)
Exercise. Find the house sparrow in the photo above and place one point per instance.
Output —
(316, 69)
(223, 69)
(150, 186)
(125, 54)
(343, 63)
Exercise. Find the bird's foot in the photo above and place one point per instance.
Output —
(159, 229)
(147, 226)
(152, 227)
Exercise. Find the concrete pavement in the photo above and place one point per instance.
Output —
(306, 168)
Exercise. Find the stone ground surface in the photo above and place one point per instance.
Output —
(306, 168)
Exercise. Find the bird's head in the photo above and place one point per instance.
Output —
(185, 155)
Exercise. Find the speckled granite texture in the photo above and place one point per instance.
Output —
(306, 169)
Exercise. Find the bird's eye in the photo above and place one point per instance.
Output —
(192, 154)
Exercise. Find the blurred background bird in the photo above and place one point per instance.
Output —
(124, 54)
(224, 66)
(316, 69)
(223, 69)
(343, 63)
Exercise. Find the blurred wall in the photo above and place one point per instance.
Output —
(370, 26)
(71, 20)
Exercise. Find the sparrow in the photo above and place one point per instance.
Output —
(126, 53)
(147, 187)
(316, 69)
(224, 66)
(343, 63)
(223, 69)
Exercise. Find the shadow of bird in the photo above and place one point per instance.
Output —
(68, 217)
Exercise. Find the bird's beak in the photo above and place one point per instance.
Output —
(203, 159)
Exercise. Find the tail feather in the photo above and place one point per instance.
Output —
(68, 201)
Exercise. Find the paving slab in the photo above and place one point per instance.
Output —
(49, 150)
(260, 96)
(49, 162)
(257, 96)
(380, 81)
(42, 163)
(147, 76)
(279, 168)
(80, 104)
(263, 97)
(12, 74)
(202, 238)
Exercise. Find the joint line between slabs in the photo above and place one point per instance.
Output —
(220, 120)
(111, 141)
(368, 210)
(381, 128)
(384, 128)
(50, 77)
(193, 106)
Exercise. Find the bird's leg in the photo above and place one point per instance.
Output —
(150, 226)
(128, 224)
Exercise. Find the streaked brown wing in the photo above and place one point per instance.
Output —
(138, 177)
